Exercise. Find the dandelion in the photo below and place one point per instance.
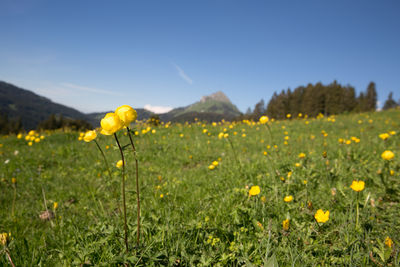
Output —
(285, 225)
(254, 190)
(321, 216)
(387, 155)
(288, 198)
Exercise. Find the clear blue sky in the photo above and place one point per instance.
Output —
(97, 55)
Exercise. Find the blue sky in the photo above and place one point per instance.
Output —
(97, 55)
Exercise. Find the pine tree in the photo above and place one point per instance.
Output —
(390, 103)
(371, 97)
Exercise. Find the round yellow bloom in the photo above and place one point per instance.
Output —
(387, 155)
(211, 167)
(288, 115)
(384, 136)
(126, 114)
(264, 119)
(215, 163)
(89, 136)
(110, 124)
(119, 163)
(14, 180)
(321, 216)
(302, 155)
(5, 238)
(55, 205)
(285, 224)
(357, 186)
(288, 198)
(254, 190)
(19, 136)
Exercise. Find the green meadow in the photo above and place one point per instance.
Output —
(65, 209)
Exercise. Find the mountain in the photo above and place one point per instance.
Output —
(32, 108)
(214, 107)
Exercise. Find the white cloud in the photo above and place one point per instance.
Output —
(157, 109)
(182, 74)
(89, 89)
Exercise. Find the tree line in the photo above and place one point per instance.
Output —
(315, 99)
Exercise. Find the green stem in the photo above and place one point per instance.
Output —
(105, 159)
(357, 211)
(14, 199)
(137, 187)
(235, 154)
(123, 192)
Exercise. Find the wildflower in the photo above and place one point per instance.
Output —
(89, 136)
(388, 242)
(55, 205)
(288, 116)
(211, 167)
(297, 164)
(392, 132)
(14, 180)
(126, 114)
(305, 182)
(265, 153)
(288, 198)
(302, 155)
(215, 163)
(263, 199)
(254, 190)
(387, 155)
(260, 226)
(321, 216)
(285, 224)
(5, 238)
(357, 186)
(384, 136)
(110, 124)
(161, 195)
(119, 163)
(19, 136)
(264, 119)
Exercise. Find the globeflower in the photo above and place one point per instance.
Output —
(357, 186)
(254, 190)
(110, 124)
(264, 119)
(126, 114)
(5, 238)
(321, 216)
(387, 155)
(119, 163)
(384, 136)
(302, 155)
(89, 136)
(288, 198)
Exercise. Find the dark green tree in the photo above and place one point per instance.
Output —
(390, 103)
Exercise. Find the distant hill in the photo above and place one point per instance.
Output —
(32, 108)
(214, 107)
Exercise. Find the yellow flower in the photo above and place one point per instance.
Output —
(288, 116)
(264, 119)
(288, 198)
(285, 224)
(30, 144)
(119, 163)
(89, 136)
(161, 195)
(357, 186)
(14, 180)
(392, 132)
(302, 155)
(55, 205)
(19, 136)
(384, 136)
(254, 190)
(215, 163)
(321, 216)
(263, 199)
(211, 167)
(388, 242)
(110, 124)
(5, 238)
(297, 164)
(387, 155)
(126, 114)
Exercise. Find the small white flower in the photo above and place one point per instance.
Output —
(7, 161)
(16, 152)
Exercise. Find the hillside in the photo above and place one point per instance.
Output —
(30, 107)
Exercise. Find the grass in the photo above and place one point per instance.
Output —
(193, 216)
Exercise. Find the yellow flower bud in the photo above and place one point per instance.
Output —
(89, 136)
(126, 114)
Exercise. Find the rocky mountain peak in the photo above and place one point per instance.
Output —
(218, 96)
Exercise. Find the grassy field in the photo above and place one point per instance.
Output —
(193, 215)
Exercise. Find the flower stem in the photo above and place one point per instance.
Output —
(123, 192)
(9, 258)
(357, 211)
(137, 187)
(105, 159)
